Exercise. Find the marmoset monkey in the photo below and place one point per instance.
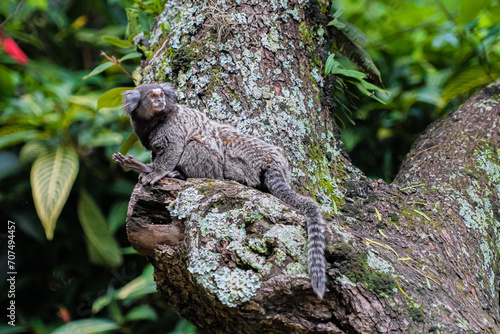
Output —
(186, 143)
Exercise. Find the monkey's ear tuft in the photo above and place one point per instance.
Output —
(131, 100)
(169, 91)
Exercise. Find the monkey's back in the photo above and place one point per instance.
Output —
(221, 151)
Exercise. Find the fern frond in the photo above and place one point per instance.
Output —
(355, 53)
(354, 34)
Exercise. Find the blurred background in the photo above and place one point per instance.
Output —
(60, 65)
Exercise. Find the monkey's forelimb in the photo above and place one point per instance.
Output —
(131, 163)
(147, 175)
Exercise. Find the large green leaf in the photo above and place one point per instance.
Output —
(117, 42)
(331, 63)
(103, 248)
(470, 8)
(128, 143)
(101, 68)
(362, 87)
(52, 177)
(142, 312)
(137, 288)
(112, 98)
(31, 151)
(349, 73)
(132, 55)
(466, 80)
(15, 134)
(140, 286)
(87, 326)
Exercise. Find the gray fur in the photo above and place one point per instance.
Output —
(185, 141)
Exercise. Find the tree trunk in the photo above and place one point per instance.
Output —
(420, 255)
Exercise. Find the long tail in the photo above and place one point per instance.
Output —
(277, 185)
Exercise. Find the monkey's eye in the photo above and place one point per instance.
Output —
(156, 95)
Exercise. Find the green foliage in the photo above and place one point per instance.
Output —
(432, 54)
(128, 143)
(99, 69)
(350, 42)
(103, 248)
(184, 327)
(355, 77)
(353, 70)
(87, 326)
(55, 123)
(111, 302)
(112, 98)
(136, 289)
(141, 15)
(113, 40)
(467, 80)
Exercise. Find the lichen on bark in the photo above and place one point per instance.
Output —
(252, 230)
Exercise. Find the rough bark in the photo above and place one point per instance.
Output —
(417, 256)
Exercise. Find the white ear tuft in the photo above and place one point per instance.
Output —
(169, 91)
(131, 100)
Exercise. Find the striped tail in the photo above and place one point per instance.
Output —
(275, 182)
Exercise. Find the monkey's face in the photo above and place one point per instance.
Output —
(157, 99)
(148, 100)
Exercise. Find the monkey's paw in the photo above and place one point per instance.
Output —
(154, 177)
(151, 178)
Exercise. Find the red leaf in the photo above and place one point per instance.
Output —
(13, 50)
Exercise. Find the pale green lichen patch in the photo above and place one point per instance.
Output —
(480, 215)
(218, 227)
(296, 268)
(235, 286)
(271, 40)
(376, 262)
(488, 161)
(292, 238)
(189, 199)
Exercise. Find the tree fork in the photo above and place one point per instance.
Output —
(419, 255)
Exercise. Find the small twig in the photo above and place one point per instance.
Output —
(424, 150)
(404, 293)
(117, 62)
(368, 241)
(21, 3)
(424, 215)
(421, 273)
(414, 186)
